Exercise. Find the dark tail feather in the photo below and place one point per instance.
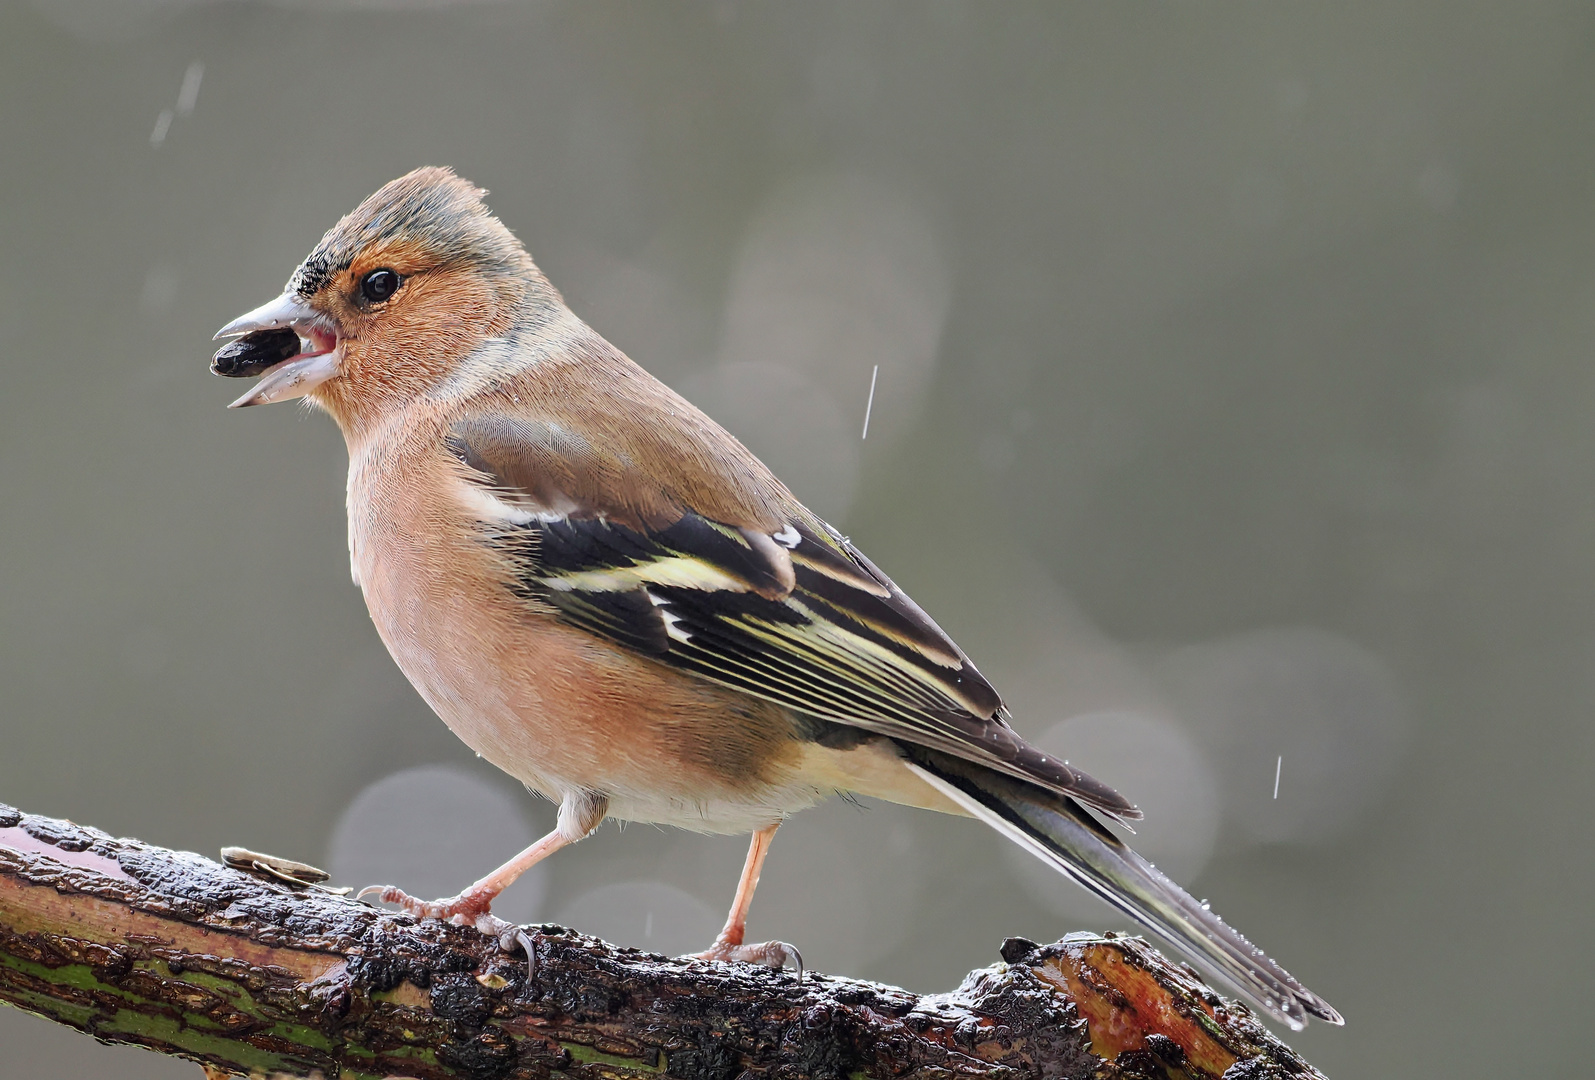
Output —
(1062, 833)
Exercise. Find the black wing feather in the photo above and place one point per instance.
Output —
(627, 618)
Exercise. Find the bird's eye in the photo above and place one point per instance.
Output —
(378, 285)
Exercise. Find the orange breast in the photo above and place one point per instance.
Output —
(550, 704)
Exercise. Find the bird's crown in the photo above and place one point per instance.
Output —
(430, 211)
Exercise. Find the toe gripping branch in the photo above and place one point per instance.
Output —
(460, 912)
(509, 937)
(771, 954)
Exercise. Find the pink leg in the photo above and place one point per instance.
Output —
(579, 814)
(728, 946)
(472, 903)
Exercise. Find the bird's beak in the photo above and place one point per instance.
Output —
(319, 355)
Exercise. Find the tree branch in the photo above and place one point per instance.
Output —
(167, 950)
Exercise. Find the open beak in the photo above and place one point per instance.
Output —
(292, 346)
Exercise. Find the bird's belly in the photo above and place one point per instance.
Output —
(563, 711)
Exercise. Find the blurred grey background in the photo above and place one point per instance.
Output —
(1234, 411)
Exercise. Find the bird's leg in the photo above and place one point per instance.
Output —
(472, 904)
(728, 946)
(579, 814)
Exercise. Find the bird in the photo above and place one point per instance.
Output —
(610, 598)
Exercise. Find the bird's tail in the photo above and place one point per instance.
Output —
(1063, 834)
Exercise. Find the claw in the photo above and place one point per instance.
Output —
(529, 945)
(789, 955)
(509, 938)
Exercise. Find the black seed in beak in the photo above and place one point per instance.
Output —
(254, 353)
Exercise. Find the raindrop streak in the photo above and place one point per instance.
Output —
(189, 94)
(1280, 764)
(870, 404)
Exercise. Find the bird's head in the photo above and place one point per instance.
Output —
(391, 300)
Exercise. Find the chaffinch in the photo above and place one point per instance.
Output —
(610, 598)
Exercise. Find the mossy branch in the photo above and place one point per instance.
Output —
(170, 951)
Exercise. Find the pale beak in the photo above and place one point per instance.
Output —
(320, 357)
(286, 310)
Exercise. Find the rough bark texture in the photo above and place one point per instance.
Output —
(168, 950)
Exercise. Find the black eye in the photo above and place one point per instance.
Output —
(378, 285)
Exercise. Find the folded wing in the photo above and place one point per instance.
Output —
(792, 614)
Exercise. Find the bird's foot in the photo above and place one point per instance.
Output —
(771, 954)
(469, 908)
(461, 910)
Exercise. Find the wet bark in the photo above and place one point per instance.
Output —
(244, 975)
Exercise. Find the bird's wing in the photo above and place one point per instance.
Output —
(795, 615)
